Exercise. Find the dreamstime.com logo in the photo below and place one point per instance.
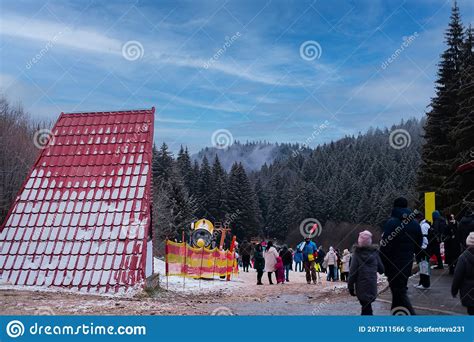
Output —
(310, 50)
(16, 329)
(43, 138)
(399, 138)
(310, 227)
(222, 311)
(222, 138)
(133, 50)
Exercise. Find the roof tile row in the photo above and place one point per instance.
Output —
(82, 218)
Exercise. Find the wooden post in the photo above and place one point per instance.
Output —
(166, 262)
(223, 234)
(200, 268)
(232, 245)
(184, 265)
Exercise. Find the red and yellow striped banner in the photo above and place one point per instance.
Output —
(184, 260)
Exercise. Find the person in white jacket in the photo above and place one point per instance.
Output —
(270, 255)
(346, 258)
(331, 260)
(422, 255)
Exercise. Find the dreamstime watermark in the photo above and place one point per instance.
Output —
(45, 49)
(222, 311)
(132, 50)
(317, 131)
(310, 50)
(133, 228)
(143, 128)
(407, 41)
(232, 217)
(320, 307)
(222, 50)
(43, 138)
(44, 311)
(222, 138)
(400, 311)
(310, 227)
(405, 221)
(15, 329)
(399, 138)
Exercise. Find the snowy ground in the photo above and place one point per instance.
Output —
(240, 296)
(190, 285)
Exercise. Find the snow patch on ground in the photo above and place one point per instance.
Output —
(190, 285)
(129, 293)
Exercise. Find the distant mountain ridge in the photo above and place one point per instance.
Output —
(252, 155)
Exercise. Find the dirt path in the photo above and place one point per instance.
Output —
(239, 297)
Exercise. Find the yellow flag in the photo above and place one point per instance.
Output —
(429, 205)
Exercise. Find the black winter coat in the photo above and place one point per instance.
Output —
(286, 256)
(245, 249)
(463, 280)
(466, 226)
(321, 255)
(365, 264)
(259, 261)
(440, 228)
(401, 237)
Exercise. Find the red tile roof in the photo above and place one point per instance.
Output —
(82, 218)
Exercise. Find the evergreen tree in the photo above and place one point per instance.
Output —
(203, 189)
(262, 199)
(276, 219)
(183, 163)
(163, 164)
(462, 134)
(195, 184)
(243, 206)
(437, 155)
(218, 192)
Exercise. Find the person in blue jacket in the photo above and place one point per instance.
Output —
(298, 258)
(309, 248)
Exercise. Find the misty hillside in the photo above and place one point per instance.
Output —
(352, 180)
(252, 155)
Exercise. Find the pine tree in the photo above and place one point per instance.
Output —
(203, 189)
(437, 155)
(462, 134)
(276, 219)
(183, 163)
(163, 164)
(195, 184)
(262, 199)
(218, 192)
(244, 213)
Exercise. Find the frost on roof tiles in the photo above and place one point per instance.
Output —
(82, 218)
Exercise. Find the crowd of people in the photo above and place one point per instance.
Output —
(407, 237)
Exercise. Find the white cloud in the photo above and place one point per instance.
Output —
(46, 31)
(267, 71)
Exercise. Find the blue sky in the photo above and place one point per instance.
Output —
(233, 65)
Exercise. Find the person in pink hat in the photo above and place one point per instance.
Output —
(365, 264)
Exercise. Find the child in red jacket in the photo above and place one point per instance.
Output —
(280, 271)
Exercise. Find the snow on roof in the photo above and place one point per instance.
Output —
(81, 220)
